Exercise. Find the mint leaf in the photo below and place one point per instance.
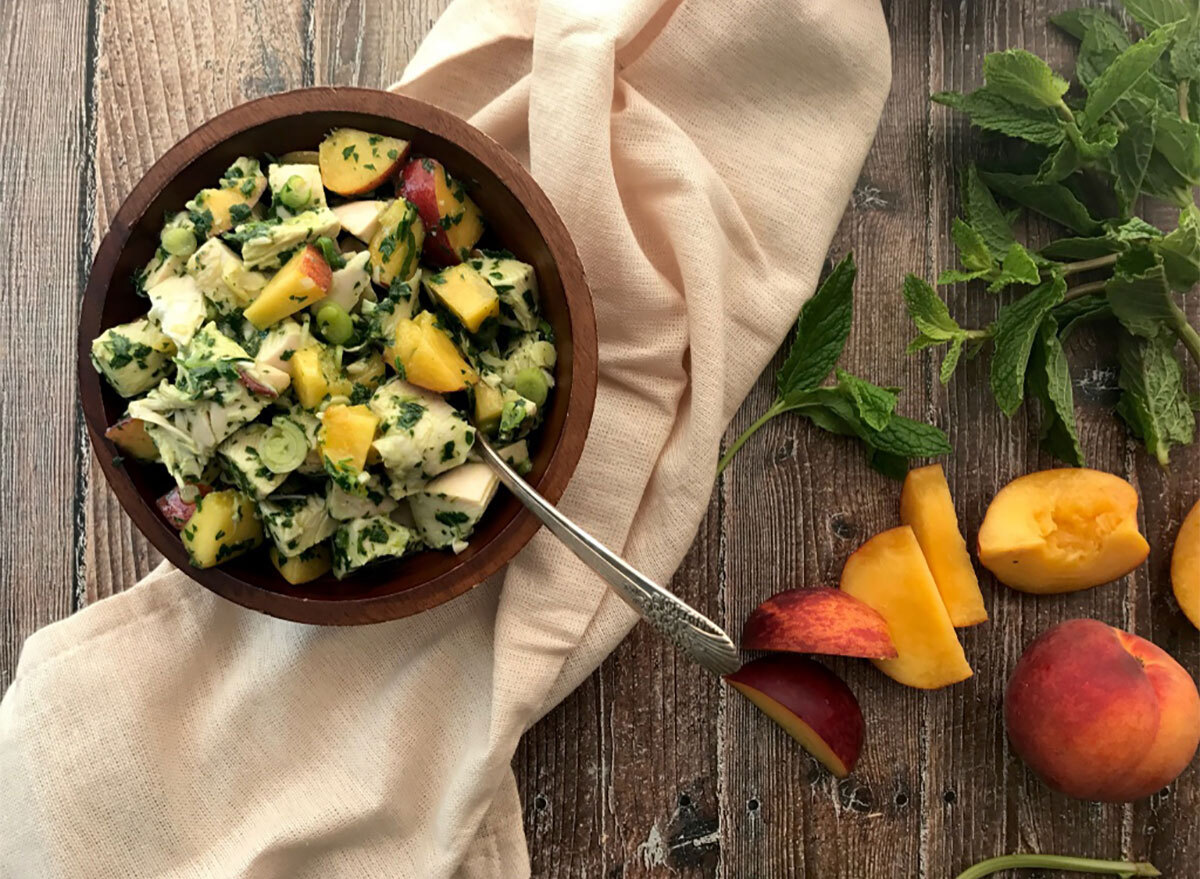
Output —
(874, 404)
(1139, 295)
(910, 439)
(928, 312)
(1153, 14)
(958, 276)
(1178, 141)
(1071, 315)
(984, 214)
(1153, 401)
(1018, 267)
(1070, 249)
(1077, 22)
(1185, 51)
(821, 331)
(1051, 200)
(1016, 326)
(1132, 156)
(993, 112)
(973, 251)
(1023, 78)
(1180, 252)
(1122, 74)
(1135, 230)
(951, 358)
(1049, 380)
(1104, 40)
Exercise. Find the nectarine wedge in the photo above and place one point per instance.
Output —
(353, 161)
(889, 573)
(818, 620)
(301, 282)
(1101, 714)
(1062, 530)
(812, 704)
(926, 507)
(1185, 566)
(452, 220)
(129, 435)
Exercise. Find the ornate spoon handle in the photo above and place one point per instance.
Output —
(692, 632)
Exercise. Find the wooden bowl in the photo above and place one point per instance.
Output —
(519, 218)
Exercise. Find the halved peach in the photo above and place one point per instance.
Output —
(303, 280)
(817, 620)
(453, 222)
(889, 572)
(129, 435)
(1062, 530)
(353, 161)
(926, 507)
(1185, 566)
(812, 704)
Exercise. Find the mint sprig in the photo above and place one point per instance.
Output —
(1130, 131)
(853, 406)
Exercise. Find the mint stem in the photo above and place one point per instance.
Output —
(1064, 112)
(775, 409)
(1086, 265)
(1058, 862)
(1182, 91)
(1084, 290)
(1186, 332)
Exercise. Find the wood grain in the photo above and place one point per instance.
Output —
(648, 770)
(202, 59)
(45, 150)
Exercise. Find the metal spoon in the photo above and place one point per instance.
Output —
(692, 632)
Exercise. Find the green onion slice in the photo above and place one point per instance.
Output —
(284, 446)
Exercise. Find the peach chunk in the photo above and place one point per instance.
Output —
(129, 435)
(453, 221)
(1062, 530)
(926, 506)
(353, 161)
(346, 435)
(1101, 714)
(818, 620)
(303, 280)
(425, 355)
(889, 573)
(1185, 566)
(812, 704)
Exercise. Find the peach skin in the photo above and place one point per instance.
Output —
(818, 620)
(1101, 714)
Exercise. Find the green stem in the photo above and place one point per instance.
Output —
(1058, 862)
(1182, 91)
(775, 409)
(1186, 332)
(1064, 112)
(1084, 290)
(1086, 265)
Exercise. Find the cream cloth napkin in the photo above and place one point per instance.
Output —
(701, 153)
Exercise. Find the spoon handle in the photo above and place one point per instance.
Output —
(692, 632)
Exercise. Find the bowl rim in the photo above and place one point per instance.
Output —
(565, 454)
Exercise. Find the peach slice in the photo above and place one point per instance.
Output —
(1101, 714)
(396, 245)
(889, 573)
(129, 435)
(452, 220)
(353, 161)
(346, 435)
(303, 280)
(818, 620)
(926, 506)
(1062, 530)
(812, 704)
(1185, 566)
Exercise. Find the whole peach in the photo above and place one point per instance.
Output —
(1101, 714)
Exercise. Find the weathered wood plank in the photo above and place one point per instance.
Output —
(982, 800)
(163, 69)
(798, 502)
(367, 43)
(45, 143)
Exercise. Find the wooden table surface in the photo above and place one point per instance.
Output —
(649, 769)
